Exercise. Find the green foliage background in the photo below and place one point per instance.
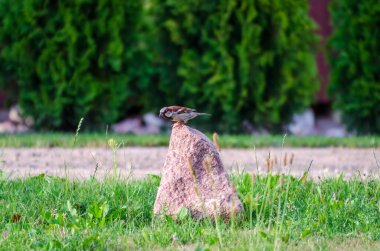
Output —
(70, 58)
(355, 63)
(238, 60)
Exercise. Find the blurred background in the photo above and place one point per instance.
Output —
(258, 66)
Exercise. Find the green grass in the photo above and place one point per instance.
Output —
(235, 141)
(46, 212)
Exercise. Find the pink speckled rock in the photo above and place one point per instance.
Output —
(193, 177)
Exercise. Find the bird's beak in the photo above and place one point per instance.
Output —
(160, 115)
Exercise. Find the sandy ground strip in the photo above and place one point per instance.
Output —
(82, 163)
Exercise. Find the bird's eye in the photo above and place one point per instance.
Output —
(168, 113)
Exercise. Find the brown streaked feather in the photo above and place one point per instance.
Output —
(181, 109)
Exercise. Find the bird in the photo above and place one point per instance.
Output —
(179, 114)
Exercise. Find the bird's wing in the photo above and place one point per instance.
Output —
(181, 109)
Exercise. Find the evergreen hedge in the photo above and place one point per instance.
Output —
(238, 60)
(355, 63)
(71, 59)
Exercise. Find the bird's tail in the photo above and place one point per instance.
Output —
(202, 113)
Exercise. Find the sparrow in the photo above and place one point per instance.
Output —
(179, 113)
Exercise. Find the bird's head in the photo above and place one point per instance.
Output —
(164, 113)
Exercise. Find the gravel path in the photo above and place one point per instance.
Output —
(83, 162)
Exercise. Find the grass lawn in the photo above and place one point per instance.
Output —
(235, 141)
(281, 212)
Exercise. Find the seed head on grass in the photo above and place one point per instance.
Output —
(304, 176)
(253, 178)
(193, 174)
(275, 160)
(78, 129)
(207, 163)
(112, 143)
(281, 180)
(114, 146)
(97, 165)
(291, 159)
(269, 163)
(284, 160)
(215, 138)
